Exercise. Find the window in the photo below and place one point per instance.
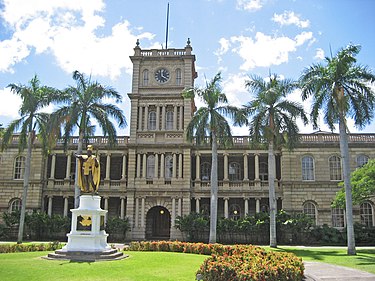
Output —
(338, 217)
(309, 209)
(335, 168)
(178, 76)
(152, 120)
(169, 120)
(263, 171)
(168, 166)
(205, 171)
(19, 167)
(308, 168)
(234, 212)
(361, 160)
(150, 166)
(145, 77)
(205, 209)
(366, 212)
(15, 205)
(234, 171)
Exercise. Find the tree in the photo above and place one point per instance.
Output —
(363, 185)
(272, 119)
(83, 103)
(209, 121)
(34, 98)
(342, 88)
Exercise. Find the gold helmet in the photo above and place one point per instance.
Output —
(90, 147)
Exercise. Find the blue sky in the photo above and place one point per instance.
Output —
(52, 38)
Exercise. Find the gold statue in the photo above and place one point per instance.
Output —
(88, 171)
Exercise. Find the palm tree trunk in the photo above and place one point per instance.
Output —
(26, 180)
(344, 148)
(272, 199)
(214, 192)
(77, 189)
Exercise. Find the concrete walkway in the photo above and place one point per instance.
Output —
(318, 271)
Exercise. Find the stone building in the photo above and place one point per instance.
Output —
(154, 175)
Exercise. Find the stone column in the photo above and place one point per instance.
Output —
(197, 205)
(144, 166)
(256, 167)
(179, 206)
(108, 167)
(257, 205)
(53, 166)
(162, 164)
(245, 167)
(140, 119)
(174, 166)
(68, 164)
(163, 118)
(197, 166)
(122, 208)
(180, 157)
(66, 206)
(143, 212)
(173, 218)
(174, 118)
(146, 118)
(181, 126)
(138, 165)
(50, 206)
(156, 168)
(123, 167)
(157, 117)
(246, 211)
(137, 212)
(226, 208)
(226, 166)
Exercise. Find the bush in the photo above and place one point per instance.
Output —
(14, 248)
(117, 228)
(240, 262)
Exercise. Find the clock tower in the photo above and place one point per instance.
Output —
(159, 156)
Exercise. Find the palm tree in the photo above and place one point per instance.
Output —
(342, 89)
(34, 98)
(83, 103)
(209, 120)
(272, 120)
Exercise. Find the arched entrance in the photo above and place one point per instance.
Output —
(158, 223)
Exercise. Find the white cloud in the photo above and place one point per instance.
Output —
(264, 50)
(250, 5)
(12, 104)
(319, 55)
(289, 18)
(67, 30)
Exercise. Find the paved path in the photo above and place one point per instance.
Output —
(318, 271)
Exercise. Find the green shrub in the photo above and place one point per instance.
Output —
(14, 248)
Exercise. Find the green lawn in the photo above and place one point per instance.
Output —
(364, 260)
(140, 266)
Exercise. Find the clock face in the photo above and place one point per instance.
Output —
(162, 75)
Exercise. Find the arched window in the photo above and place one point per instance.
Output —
(234, 171)
(361, 160)
(263, 171)
(367, 214)
(234, 212)
(178, 76)
(19, 167)
(169, 120)
(15, 205)
(150, 166)
(309, 209)
(335, 168)
(308, 172)
(145, 77)
(152, 120)
(338, 217)
(168, 166)
(205, 171)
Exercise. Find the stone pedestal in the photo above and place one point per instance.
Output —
(87, 232)
(87, 240)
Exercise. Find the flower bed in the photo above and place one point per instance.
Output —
(30, 247)
(233, 263)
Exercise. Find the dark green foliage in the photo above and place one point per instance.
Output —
(117, 228)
